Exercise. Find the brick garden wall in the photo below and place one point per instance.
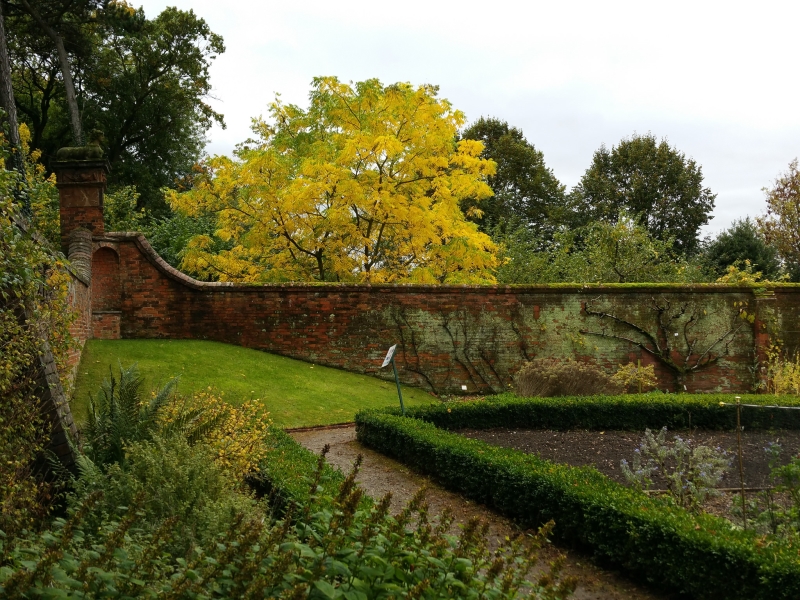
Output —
(452, 336)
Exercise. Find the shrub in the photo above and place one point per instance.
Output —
(630, 412)
(120, 415)
(337, 548)
(549, 377)
(632, 377)
(783, 375)
(690, 472)
(649, 538)
(775, 511)
(166, 478)
(235, 435)
(34, 314)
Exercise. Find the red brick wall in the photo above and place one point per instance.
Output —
(449, 336)
(105, 325)
(81, 329)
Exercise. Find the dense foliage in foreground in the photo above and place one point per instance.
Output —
(160, 509)
(652, 539)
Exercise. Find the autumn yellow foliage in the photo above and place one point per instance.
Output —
(782, 372)
(635, 376)
(362, 186)
(235, 434)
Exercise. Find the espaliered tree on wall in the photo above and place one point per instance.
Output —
(362, 186)
(678, 335)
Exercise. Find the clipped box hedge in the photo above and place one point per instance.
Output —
(647, 537)
(632, 412)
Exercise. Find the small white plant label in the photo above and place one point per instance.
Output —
(389, 356)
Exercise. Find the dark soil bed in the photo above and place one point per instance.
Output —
(604, 450)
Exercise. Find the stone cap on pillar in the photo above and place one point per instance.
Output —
(81, 177)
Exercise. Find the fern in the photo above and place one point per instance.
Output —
(118, 415)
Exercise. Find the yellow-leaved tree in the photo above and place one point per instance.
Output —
(362, 186)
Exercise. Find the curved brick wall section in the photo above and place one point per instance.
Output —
(449, 336)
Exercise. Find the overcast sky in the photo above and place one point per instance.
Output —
(718, 79)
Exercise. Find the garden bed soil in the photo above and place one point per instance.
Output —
(604, 450)
(380, 475)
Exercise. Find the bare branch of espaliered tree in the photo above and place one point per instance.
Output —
(676, 341)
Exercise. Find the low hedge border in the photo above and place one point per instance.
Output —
(646, 537)
(632, 412)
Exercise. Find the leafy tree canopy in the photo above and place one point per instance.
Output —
(741, 243)
(364, 185)
(525, 190)
(143, 82)
(601, 252)
(651, 181)
(780, 226)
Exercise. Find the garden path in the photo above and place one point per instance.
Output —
(379, 475)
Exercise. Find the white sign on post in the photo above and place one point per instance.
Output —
(389, 356)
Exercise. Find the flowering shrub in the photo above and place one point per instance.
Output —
(690, 472)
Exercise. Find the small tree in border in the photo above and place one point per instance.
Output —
(675, 343)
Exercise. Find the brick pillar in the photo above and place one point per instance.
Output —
(81, 185)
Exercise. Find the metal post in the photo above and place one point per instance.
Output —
(639, 373)
(741, 463)
(399, 392)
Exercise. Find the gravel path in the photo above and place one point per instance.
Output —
(380, 475)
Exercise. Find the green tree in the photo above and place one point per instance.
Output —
(780, 226)
(651, 181)
(58, 24)
(143, 82)
(740, 243)
(525, 190)
(602, 252)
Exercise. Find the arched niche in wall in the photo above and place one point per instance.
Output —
(106, 285)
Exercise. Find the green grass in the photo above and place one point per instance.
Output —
(296, 393)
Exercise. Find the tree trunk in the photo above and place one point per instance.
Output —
(10, 108)
(6, 88)
(63, 59)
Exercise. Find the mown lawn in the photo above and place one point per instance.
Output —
(296, 393)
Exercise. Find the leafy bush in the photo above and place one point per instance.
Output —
(34, 314)
(550, 377)
(327, 547)
(783, 374)
(120, 212)
(165, 478)
(119, 415)
(635, 377)
(633, 412)
(690, 472)
(651, 539)
(775, 510)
